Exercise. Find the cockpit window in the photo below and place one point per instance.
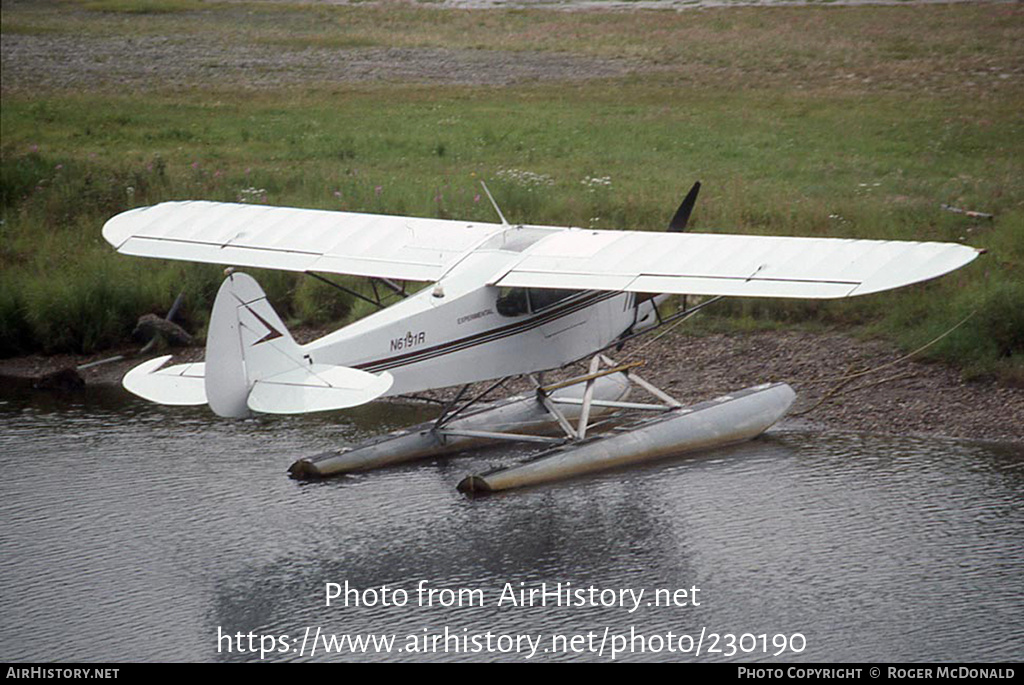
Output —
(545, 297)
(518, 301)
(513, 302)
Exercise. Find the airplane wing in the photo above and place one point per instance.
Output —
(732, 265)
(403, 248)
(417, 249)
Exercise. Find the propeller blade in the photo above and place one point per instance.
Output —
(679, 221)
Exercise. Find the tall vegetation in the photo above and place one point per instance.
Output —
(762, 109)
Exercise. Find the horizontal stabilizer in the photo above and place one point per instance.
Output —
(318, 387)
(181, 384)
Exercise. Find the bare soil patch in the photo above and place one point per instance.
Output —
(61, 62)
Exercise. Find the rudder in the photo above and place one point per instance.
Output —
(246, 341)
(253, 363)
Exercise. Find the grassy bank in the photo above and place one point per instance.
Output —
(807, 121)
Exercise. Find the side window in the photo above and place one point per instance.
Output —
(512, 302)
(545, 297)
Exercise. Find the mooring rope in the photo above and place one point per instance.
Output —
(905, 357)
(840, 381)
(844, 380)
(657, 337)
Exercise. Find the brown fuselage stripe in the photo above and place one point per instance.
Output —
(487, 336)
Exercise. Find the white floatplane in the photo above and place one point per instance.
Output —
(506, 300)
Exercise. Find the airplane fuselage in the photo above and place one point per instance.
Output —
(459, 331)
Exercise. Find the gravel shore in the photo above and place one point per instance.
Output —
(897, 396)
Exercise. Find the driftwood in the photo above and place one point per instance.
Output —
(151, 325)
(968, 212)
(150, 328)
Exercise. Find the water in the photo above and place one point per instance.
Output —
(135, 532)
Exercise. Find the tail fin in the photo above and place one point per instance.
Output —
(253, 363)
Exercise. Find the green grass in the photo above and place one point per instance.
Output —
(754, 103)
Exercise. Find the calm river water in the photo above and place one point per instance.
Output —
(140, 533)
